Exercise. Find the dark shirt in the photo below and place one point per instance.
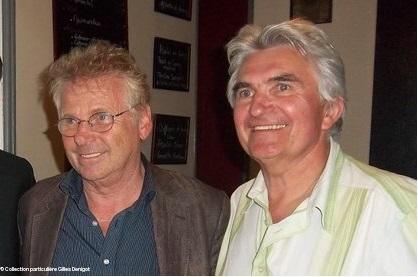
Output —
(128, 247)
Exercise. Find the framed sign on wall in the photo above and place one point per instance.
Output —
(170, 139)
(171, 68)
(178, 8)
(77, 22)
(317, 11)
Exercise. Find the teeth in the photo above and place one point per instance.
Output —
(269, 127)
(88, 156)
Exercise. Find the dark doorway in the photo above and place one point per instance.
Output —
(220, 162)
(393, 134)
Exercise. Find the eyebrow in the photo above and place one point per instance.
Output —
(240, 85)
(285, 78)
(94, 111)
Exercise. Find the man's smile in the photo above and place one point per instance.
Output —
(91, 155)
(268, 127)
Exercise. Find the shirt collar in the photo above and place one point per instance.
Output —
(258, 191)
(72, 184)
(318, 199)
(319, 194)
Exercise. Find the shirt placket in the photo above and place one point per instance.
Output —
(259, 266)
(260, 262)
(110, 245)
(273, 233)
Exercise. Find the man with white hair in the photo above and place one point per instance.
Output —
(312, 209)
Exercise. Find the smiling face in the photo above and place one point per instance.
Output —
(107, 156)
(278, 113)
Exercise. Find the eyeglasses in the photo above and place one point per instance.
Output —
(99, 122)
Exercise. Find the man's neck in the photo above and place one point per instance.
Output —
(105, 199)
(291, 184)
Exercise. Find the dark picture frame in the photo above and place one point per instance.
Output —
(171, 69)
(170, 139)
(77, 23)
(317, 11)
(177, 8)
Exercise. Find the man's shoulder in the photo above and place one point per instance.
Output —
(42, 190)
(372, 177)
(242, 189)
(398, 189)
(177, 184)
(10, 158)
(48, 183)
(12, 162)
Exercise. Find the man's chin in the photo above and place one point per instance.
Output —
(90, 174)
(264, 152)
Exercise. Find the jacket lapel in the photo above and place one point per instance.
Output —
(171, 220)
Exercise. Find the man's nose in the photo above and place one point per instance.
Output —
(83, 133)
(260, 102)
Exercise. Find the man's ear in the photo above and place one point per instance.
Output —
(145, 122)
(332, 112)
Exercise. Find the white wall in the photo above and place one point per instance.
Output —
(34, 51)
(144, 25)
(352, 30)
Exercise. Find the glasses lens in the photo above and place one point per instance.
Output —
(67, 126)
(101, 122)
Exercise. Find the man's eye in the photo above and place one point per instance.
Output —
(102, 117)
(283, 87)
(243, 93)
(69, 121)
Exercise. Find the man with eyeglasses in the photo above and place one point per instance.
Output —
(114, 213)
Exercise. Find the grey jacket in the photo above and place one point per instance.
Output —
(189, 220)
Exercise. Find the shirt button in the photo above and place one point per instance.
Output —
(260, 269)
(94, 223)
(106, 261)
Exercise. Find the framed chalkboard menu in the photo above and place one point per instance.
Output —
(171, 65)
(77, 22)
(170, 139)
(178, 8)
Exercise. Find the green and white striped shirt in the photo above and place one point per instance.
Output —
(359, 220)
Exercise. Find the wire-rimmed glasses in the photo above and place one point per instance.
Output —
(99, 122)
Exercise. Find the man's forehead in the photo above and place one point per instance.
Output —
(104, 82)
(272, 62)
(95, 93)
(101, 86)
(281, 52)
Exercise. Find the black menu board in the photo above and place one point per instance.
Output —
(171, 65)
(170, 139)
(77, 22)
(178, 8)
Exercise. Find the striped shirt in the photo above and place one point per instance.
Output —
(359, 220)
(128, 247)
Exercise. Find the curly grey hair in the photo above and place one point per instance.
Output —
(100, 58)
